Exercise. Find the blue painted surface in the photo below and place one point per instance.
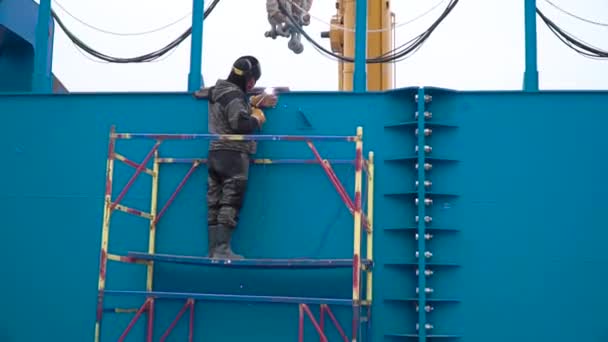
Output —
(518, 224)
(195, 78)
(20, 17)
(16, 62)
(360, 72)
(42, 82)
(17, 23)
(17, 40)
(531, 72)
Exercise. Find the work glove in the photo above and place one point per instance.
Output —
(258, 114)
(263, 100)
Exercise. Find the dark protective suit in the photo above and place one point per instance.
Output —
(228, 164)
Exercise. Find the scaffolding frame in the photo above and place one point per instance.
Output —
(355, 207)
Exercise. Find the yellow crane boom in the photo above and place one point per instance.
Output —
(380, 35)
(380, 23)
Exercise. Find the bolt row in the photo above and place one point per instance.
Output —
(427, 202)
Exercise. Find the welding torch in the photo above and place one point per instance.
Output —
(267, 91)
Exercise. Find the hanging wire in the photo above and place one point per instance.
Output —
(393, 55)
(578, 45)
(122, 34)
(576, 16)
(348, 29)
(149, 57)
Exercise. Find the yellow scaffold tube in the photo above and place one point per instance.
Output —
(153, 209)
(105, 233)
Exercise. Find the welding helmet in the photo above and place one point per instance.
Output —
(247, 67)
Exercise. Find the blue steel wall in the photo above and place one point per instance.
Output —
(17, 44)
(530, 213)
(16, 64)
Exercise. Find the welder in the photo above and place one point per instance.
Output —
(231, 112)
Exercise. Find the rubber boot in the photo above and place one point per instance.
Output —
(222, 249)
(212, 237)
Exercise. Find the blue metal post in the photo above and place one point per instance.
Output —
(195, 79)
(360, 79)
(421, 219)
(531, 72)
(41, 78)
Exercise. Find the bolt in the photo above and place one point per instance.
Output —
(427, 254)
(427, 132)
(427, 115)
(427, 201)
(427, 236)
(427, 166)
(427, 308)
(427, 149)
(427, 183)
(427, 273)
(426, 290)
(427, 98)
(427, 326)
(427, 219)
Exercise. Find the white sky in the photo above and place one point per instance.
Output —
(480, 45)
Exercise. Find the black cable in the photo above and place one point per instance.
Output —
(589, 21)
(394, 55)
(149, 57)
(422, 38)
(572, 42)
